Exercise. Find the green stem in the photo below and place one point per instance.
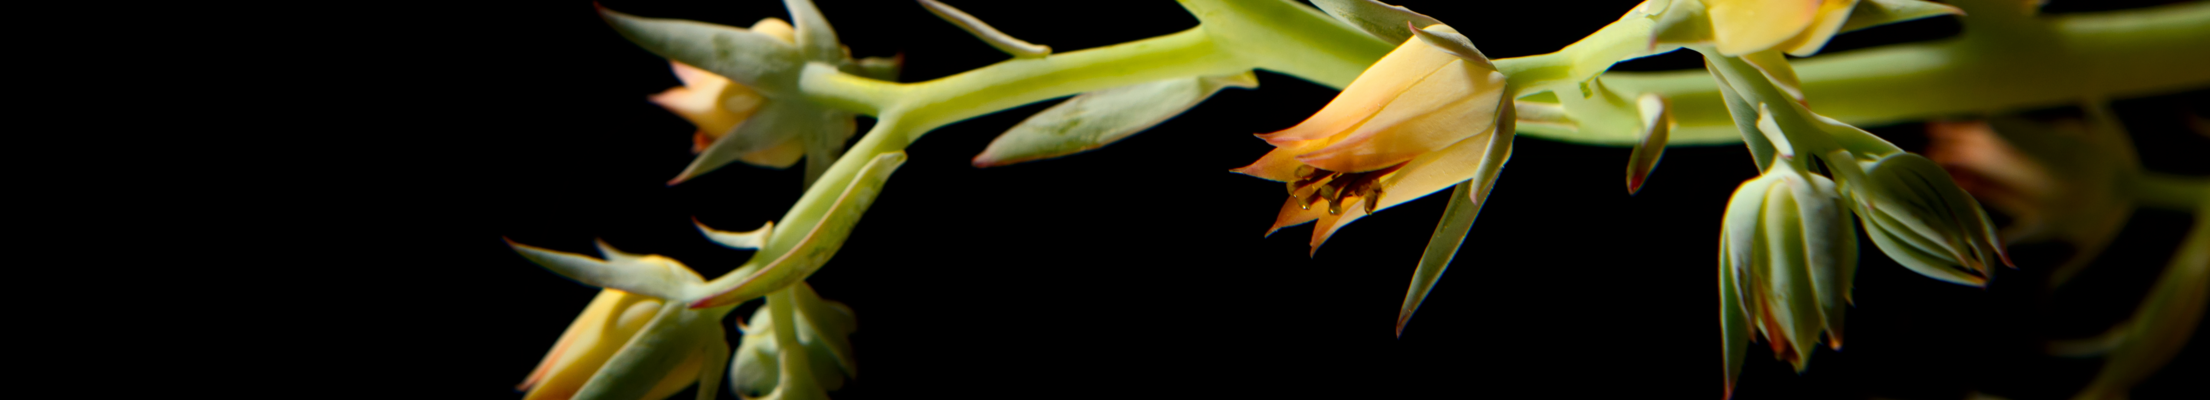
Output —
(2170, 192)
(2114, 54)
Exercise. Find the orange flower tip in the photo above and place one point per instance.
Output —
(699, 141)
(1634, 184)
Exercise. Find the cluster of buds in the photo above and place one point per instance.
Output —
(1787, 257)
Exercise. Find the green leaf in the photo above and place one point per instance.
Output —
(1871, 13)
(675, 334)
(1095, 119)
(1657, 123)
(759, 61)
(981, 30)
(1383, 21)
(813, 248)
(654, 276)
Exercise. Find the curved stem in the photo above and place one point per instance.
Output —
(2170, 192)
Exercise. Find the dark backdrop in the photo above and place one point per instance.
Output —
(1138, 269)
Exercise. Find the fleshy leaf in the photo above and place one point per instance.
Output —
(1657, 123)
(981, 30)
(738, 240)
(1381, 20)
(759, 61)
(1871, 13)
(653, 276)
(818, 244)
(1095, 119)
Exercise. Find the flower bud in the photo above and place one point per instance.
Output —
(1789, 252)
(1919, 217)
(604, 328)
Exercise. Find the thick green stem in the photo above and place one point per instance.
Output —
(2170, 192)
(2133, 52)
(2099, 55)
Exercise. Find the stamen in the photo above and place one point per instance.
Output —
(1373, 200)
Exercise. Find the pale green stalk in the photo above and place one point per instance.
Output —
(2114, 54)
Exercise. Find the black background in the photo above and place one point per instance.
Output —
(1138, 269)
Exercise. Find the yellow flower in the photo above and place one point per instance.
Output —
(1798, 27)
(716, 106)
(605, 326)
(1419, 120)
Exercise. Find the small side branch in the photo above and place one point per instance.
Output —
(981, 30)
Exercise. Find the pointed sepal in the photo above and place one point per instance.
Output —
(1871, 13)
(1383, 21)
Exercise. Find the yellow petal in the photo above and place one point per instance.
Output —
(1743, 26)
(1378, 86)
(698, 79)
(1828, 22)
(710, 102)
(1294, 213)
(782, 155)
(1330, 223)
(605, 326)
(1436, 170)
(1458, 101)
(1279, 165)
(777, 28)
